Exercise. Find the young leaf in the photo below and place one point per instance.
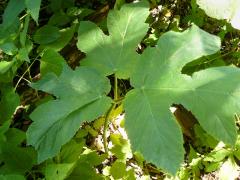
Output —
(84, 168)
(8, 70)
(65, 36)
(121, 147)
(212, 95)
(81, 96)
(33, 7)
(59, 18)
(5, 66)
(118, 169)
(51, 61)
(115, 53)
(58, 171)
(71, 151)
(46, 34)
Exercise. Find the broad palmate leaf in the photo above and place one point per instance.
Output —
(213, 95)
(115, 53)
(223, 9)
(81, 96)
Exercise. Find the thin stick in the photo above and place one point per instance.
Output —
(105, 128)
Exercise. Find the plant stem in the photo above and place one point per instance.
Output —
(21, 18)
(115, 88)
(58, 159)
(105, 128)
(27, 71)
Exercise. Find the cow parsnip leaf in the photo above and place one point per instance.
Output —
(222, 9)
(81, 96)
(212, 95)
(115, 53)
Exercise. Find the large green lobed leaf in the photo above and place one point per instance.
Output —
(81, 96)
(223, 9)
(115, 53)
(212, 95)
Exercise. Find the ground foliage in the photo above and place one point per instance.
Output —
(119, 89)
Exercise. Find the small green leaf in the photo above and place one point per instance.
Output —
(84, 171)
(212, 167)
(5, 66)
(92, 157)
(71, 151)
(118, 169)
(202, 138)
(91, 131)
(58, 171)
(51, 61)
(46, 34)
(121, 147)
(217, 155)
(98, 123)
(33, 7)
(65, 36)
(8, 70)
(23, 54)
(85, 167)
(184, 173)
(59, 19)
